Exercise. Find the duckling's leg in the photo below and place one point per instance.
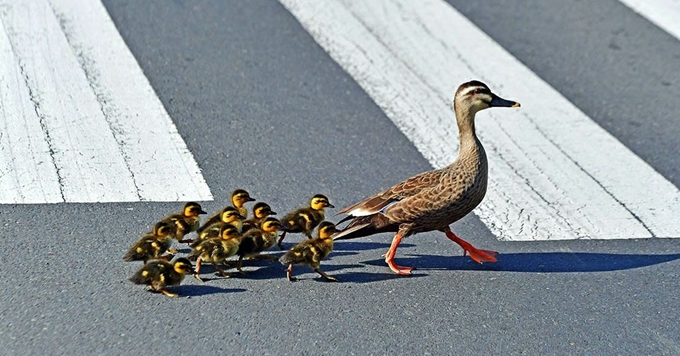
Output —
(476, 254)
(389, 257)
(289, 273)
(239, 264)
(324, 275)
(280, 243)
(198, 269)
(225, 274)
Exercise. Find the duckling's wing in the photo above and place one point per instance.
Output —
(399, 191)
(298, 254)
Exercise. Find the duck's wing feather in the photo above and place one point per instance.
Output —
(400, 191)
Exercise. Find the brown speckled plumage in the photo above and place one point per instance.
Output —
(435, 199)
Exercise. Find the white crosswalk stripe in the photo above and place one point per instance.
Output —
(80, 121)
(554, 173)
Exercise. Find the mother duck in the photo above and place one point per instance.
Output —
(433, 200)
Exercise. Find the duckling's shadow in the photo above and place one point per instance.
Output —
(544, 262)
(197, 290)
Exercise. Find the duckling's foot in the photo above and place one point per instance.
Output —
(197, 276)
(478, 255)
(324, 275)
(169, 294)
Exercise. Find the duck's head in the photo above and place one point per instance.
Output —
(231, 214)
(240, 197)
(193, 209)
(228, 231)
(271, 225)
(327, 229)
(475, 96)
(320, 201)
(183, 265)
(262, 210)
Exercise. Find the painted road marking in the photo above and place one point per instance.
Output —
(80, 121)
(554, 173)
(663, 13)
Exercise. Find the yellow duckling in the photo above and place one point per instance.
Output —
(217, 250)
(260, 212)
(238, 198)
(159, 274)
(312, 252)
(305, 219)
(229, 215)
(152, 245)
(188, 221)
(254, 241)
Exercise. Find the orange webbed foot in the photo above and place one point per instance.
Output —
(477, 255)
(400, 270)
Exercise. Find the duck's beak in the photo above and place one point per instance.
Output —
(251, 199)
(202, 212)
(330, 205)
(497, 101)
(272, 213)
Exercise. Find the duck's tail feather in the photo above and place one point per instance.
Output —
(362, 226)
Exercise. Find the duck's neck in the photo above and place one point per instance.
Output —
(466, 132)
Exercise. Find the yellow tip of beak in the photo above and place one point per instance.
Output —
(516, 105)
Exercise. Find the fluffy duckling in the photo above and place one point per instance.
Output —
(186, 222)
(229, 215)
(260, 212)
(238, 198)
(217, 250)
(257, 240)
(152, 245)
(159, 274)
(305, 219)
(312, 252)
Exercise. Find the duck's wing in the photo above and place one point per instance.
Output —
(400, 191)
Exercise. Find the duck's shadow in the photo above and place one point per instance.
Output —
(542, 262)
(348, 245)
(197, 290)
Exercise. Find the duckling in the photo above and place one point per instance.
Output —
(217, 250)
(238, 198)
(159, 274)
(260, 212)
(305, 219)
(433, 200)
(188, 221)
(312, 252)
(229, 215)
(257, 240)
(153, 245)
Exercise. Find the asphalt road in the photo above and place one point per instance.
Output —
(262, 107)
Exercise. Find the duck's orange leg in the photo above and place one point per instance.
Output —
(476, 254)
(389, 257)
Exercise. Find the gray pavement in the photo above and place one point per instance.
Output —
(262, 107)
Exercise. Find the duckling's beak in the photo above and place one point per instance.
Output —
(497, 101)
(330, 205)
(272, 213)
(251, 199)
(202, 212)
